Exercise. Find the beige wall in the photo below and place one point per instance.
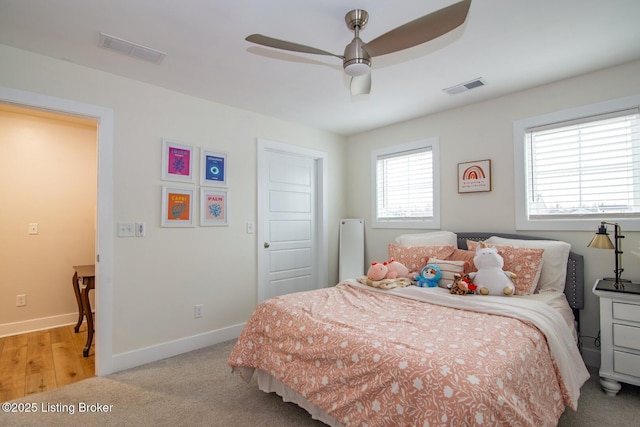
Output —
(485, 131)
(48, 176)
(158, 279)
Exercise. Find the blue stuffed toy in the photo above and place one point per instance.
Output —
(429, 276)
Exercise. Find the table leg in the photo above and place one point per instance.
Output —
(76, 291)
(89, 314)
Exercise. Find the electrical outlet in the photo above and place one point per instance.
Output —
(197, 311)
(21, 300)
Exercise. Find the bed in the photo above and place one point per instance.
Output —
(357, 355)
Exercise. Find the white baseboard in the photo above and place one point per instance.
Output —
(32, 325)
(150, 354)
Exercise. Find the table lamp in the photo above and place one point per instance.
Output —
(602, 241)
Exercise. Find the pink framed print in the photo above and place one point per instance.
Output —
(214, 207)
(177, 161)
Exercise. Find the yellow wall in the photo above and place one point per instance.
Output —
(48, 176)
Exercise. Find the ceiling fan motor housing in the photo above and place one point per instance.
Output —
(357, 61)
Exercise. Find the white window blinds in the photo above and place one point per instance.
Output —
(585, 168)
(405, 185)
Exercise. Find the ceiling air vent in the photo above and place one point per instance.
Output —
(134, 50)
(463, 87)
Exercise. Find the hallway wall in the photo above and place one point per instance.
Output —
(48, 176)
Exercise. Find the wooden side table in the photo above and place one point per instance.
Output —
(620, 334)
(84, 281)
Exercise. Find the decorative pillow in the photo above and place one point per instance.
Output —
(448, 268)
(554, 260)
(526, 263)
(464, 255)
(428, 239)
(415, 257)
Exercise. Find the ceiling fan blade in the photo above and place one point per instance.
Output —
(285, 45)
(421, 30)
(361, 85)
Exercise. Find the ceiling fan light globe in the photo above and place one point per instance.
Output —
(355, 69)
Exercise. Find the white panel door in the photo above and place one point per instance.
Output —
(288, 183)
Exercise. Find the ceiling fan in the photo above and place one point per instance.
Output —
(356, 59)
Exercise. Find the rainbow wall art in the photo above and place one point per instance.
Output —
(474, 176)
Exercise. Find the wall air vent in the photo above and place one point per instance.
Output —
(463, 87)
(128, 48)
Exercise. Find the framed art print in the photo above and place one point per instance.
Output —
(214, 206)
(474, 176)
(177, 207)
(177, 161)
(213, 168)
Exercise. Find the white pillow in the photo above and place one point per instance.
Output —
(446, 238)
(554, 260)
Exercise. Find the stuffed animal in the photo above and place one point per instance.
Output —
(377, 271)
(396, 269)
(429, 276)
(490, 278)
(462, 285)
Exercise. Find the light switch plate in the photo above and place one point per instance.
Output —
(141, 229)
(33, 228)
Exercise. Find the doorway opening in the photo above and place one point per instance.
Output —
(103, 207)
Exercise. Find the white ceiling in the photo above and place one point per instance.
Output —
(511, 44)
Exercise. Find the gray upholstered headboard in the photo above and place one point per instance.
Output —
(574, 285)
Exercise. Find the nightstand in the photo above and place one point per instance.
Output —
(620, 334)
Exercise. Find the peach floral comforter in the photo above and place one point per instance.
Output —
(372, 357)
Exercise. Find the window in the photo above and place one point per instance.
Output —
(406, 186)
(579, 167)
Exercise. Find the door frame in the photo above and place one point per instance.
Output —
(321, 245)
(104, 211)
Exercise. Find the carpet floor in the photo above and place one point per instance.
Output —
(198, 389)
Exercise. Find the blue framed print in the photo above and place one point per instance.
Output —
(213, 170)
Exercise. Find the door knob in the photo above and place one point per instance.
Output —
(266, 245)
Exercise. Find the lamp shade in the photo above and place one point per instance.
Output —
(601, 241)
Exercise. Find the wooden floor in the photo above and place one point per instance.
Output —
(43, 360)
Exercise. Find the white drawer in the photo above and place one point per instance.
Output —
(626, 363)
(624, 311)
(626, 336)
